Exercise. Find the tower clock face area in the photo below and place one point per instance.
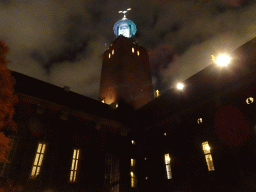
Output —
(124, 30)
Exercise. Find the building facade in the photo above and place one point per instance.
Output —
(200, 139)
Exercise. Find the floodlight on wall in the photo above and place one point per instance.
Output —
(249, 100)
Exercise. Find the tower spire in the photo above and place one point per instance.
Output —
(124, 12)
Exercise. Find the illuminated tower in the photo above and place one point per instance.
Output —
(126, 73)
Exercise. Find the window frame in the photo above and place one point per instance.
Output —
(75, 165)
(208, 156)
(40, 159)
(168, 166)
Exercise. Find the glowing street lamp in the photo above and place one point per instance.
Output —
(180, 86)
(222, 60)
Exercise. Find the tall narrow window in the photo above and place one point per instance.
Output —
(132, 50)
(168, 165)
(73, 172)
(108, 169)
(138, 53)
(208, 156)
(132, 162)
(113, 52)
(38, 159)
(132, 179)
(112, 172)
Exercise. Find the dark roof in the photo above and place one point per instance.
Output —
(48, 92)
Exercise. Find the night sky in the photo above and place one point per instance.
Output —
(61, 41)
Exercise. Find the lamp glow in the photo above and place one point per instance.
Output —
(180, 86)
(223, 60)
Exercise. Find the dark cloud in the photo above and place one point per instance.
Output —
(61, 42)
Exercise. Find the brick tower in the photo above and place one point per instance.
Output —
(126, 73)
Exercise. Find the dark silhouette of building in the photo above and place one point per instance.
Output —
(200, 139)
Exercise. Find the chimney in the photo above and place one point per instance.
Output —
(66, 88)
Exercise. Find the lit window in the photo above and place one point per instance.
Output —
(133, 142)
(157, 93)
(200, 120)
(103, 101)
(38, 160)
(73, 172)
(164, 134)
(208, 156)
(132, 162)
(113, 52)
(168, 165)
(109, 55)
(145, 158)
(116, 105)
(146, 178)
(132, 179)
(138, 53)
(249, 100)
(133, 50)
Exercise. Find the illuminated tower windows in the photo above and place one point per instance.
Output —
(38, 159)
(208, 156)
(132, 162)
